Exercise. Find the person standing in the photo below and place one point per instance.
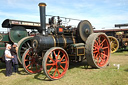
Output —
(8, 60)
(14, 60)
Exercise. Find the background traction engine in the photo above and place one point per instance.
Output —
(18, 33)
(59, 44)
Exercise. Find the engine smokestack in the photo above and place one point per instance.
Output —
(42, 17)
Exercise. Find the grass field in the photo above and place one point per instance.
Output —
(76, 75)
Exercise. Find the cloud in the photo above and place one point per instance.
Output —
(108, 21)
(101, 14)
(19, 16)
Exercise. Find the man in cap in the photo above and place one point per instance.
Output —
(14, 60)
(8, 60)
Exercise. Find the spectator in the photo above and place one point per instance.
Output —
(14, 60)
(8, 60)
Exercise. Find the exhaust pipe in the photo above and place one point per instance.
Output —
(42, 18)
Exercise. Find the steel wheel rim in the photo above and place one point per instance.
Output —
(56, 67)
(21, 49)
(101, 51)
(31, 63)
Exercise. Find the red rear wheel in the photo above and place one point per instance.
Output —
(31, 61)
(55, 63)
(98, 50)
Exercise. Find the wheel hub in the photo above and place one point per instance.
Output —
(101, 50)
(58, 63)
(33, 59)
(86, 31)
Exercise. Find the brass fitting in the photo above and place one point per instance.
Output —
(42, 4)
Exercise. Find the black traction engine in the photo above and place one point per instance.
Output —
(58, 45)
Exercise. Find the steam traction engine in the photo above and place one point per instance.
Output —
(17, 33)
(58, 45)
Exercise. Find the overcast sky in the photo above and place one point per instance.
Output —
(101, 13)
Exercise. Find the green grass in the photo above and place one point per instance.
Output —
(76, 75)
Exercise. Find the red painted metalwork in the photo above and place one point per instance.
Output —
(31, 62)
(56, 63)
(101, 50)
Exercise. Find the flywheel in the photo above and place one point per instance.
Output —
(84, 29)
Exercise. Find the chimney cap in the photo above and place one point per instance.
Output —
(42, 4)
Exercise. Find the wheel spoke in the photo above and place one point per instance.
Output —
(50, 64)
(100, 57)
(24, 48)
(102, 42)
(95, 47)
(95, 51)
(58, 54)
(105, 47)
(62, 57)
(102, 60)
(62, 67)
(28, 65)
(29, 55)
(50, 69)
(27, 60)
(28, 45)
(31, 66)
(58, 72)
(55, 72)
(96, 56)
(96, 42)
(55, 55)
(104, 55)
(63, 62)
(51, 59)
(102, 45)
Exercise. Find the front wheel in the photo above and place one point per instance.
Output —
(31, 61)
(55, 63)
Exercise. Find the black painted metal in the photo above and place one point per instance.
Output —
(42, 17)
(121, 25)
(58, 35)
(84, 29)
(46, 42)
(9, 23)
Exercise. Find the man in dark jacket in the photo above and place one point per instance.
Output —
(14, 60)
